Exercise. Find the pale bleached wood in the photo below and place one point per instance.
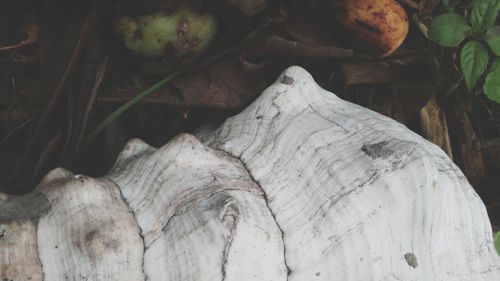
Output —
(357, 195)
(18, 251)
(19, 215)
(89, 232)
(202, 217)
(300, 186)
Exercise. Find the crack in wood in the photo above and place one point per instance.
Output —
(266, 200)
(38, 250)
(131, 211)
(233, 212)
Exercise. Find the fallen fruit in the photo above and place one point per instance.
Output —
(377, 27)
(179, 35)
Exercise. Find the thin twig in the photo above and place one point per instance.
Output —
(15, 130)
(46, 154)
(70, 97)
(454, 87)
(14, 92)
(44, 116)
(232, 50)
(99, 77)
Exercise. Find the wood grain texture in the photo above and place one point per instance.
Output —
(89, 232)
(434, 125)
(299, 186)
(357, 195)
(201, 215)
(18, 251)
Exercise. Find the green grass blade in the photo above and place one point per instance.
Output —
(115, 114)
(497, 242)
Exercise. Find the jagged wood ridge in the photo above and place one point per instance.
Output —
(300, 186)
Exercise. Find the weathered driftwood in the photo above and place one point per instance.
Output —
(299, 186)
(434, 125)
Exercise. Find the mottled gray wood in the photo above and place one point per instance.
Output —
(201, 215)
(357, 195)
(18, 251)
(299, 186)
(89, 232)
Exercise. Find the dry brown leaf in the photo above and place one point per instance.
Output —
(226, 84)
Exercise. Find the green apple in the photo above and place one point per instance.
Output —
(179, 34)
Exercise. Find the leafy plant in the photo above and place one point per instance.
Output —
(482, 43)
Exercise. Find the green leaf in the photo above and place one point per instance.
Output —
(492, 91)
(493, 39)
(474, 61)
(484, 13)
(497, 242)
(449, 30)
